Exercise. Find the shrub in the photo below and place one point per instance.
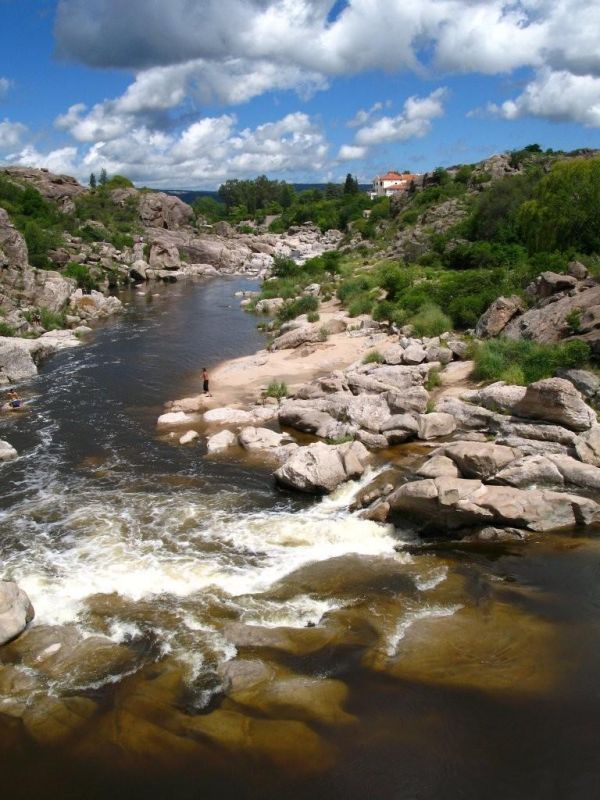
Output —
(573, 320)
(81, 274)
(6, 329)
(374, 357)
(293, 309)
(433, 379)
(324, 333)
(430, 321)
(313, 316)
(277, 389)
(51, 320)
(525, 361)
(362, 304)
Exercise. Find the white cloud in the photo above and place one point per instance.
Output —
(205, 153)
(350, 152)
(558, 96)
(413, 123)
(364, 115)
(5, 85)
(11, 134)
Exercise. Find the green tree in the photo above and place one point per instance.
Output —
(103, 179)
(93, 182)
(350, 185)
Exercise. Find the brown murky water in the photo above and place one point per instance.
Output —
(200, 634)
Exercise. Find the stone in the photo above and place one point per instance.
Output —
(530, 471)
(60, 189)
(549, 323)
(491, 534)
(373, 441)
(221, 441)
(394, 355)
(313, 289)
(480, 459)
(549, 283)
(493, 321)
(138, 270)
(453, 503)
(458, 348)
(438, 467)
(16, 611)
(226, 415)
(577, 270)
(94, 305)
(188, 437)
(587, 446)
(269, 306)
(414, 399)
(7, 451)
(497, 396)
(252, 438)
(175, 419)
(414, 354)
(543, 432)
(435, 425)
(556, 400)
(439, 354)
(584, 381)
(319, 468)
(13, 249)
(307, 334)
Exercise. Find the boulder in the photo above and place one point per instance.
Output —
(7, 451)
(436, 424)
(468, 416)
(577, 270)
(13, 250)
(373, 441)
(16, 611)
(587, 446)
(319, 468)
(188, 437)
(453, 503)
(458, 348)
(160, 210)
(493, 321)
(549, 283)
(497, 397)
(270, 305)
(94, 305)
(138, 270)
(480, 459)
(394, 355)
(549, 323)
(60, 189)
(175, 419)
(307, 334)
(221, 441)
(438, 467)
(584, 381)
(556, 400)
(164, 255)
(413, 399)
(439, 354)
(414, 354)
(252, 438)
(550, 470)
(228, 416)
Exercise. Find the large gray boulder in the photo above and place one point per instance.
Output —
(319, 468)
(493, 321)
(453, 503)
(556, 400)
(549, 283)
(7, 451)
(549, 322)
(550, 470)
(436, 425)
(587, 446)
(16, 611)
(480, 459)
(307, 334)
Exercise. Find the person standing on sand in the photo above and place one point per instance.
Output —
(205, 382)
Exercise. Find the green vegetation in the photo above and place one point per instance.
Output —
(313, 316)
(293, 308)
(433, 379)
(51, 320)
(6, 329)
(81, 273)
(277, 389)
(374, 357)
(523, 362)
(430, 321)
(573, 320)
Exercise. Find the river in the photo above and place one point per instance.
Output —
(363, 664)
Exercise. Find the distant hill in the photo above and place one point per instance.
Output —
(189, 195)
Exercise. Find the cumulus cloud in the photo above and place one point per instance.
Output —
(11, 134)
(204, 153)
(350, 152)
(364, 115)
(559, 96)
(413, 123)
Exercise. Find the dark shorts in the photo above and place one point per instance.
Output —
(206, 386)
(15, 403)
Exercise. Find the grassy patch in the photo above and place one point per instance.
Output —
(293, 308)
(431, 321)
(277, 389)
(374, 357)
(6, 329)
(523, 362)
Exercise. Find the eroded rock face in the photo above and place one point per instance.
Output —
(549, 323)
(61, 189)
(453, 503)
(319, 468)
(13, 250)
(493, 321)
(556, 400)
(16, 611)
(549, 283)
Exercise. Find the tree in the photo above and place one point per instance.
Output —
(103, 179)
(350, 185)
(93, 182)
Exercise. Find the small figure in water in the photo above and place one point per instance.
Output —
(14, 401)
(205, 382)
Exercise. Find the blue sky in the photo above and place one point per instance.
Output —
(187, 93)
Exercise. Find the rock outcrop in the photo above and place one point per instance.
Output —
(319, 468)
(16, 611)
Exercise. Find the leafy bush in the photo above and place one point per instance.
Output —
(374, 357)
(526, 361)
(277, 389)
(324, 333)
(293, 309)
(360, 304)
(80, 273)
(313, 316)
(431, 321)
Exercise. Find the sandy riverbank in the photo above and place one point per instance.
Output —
(240, 381)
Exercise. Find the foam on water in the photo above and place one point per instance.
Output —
(409, 619)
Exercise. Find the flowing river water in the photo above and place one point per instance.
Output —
(264, 644)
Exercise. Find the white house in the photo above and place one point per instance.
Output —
(391, 183)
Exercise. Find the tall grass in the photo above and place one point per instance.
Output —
(523, 362)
